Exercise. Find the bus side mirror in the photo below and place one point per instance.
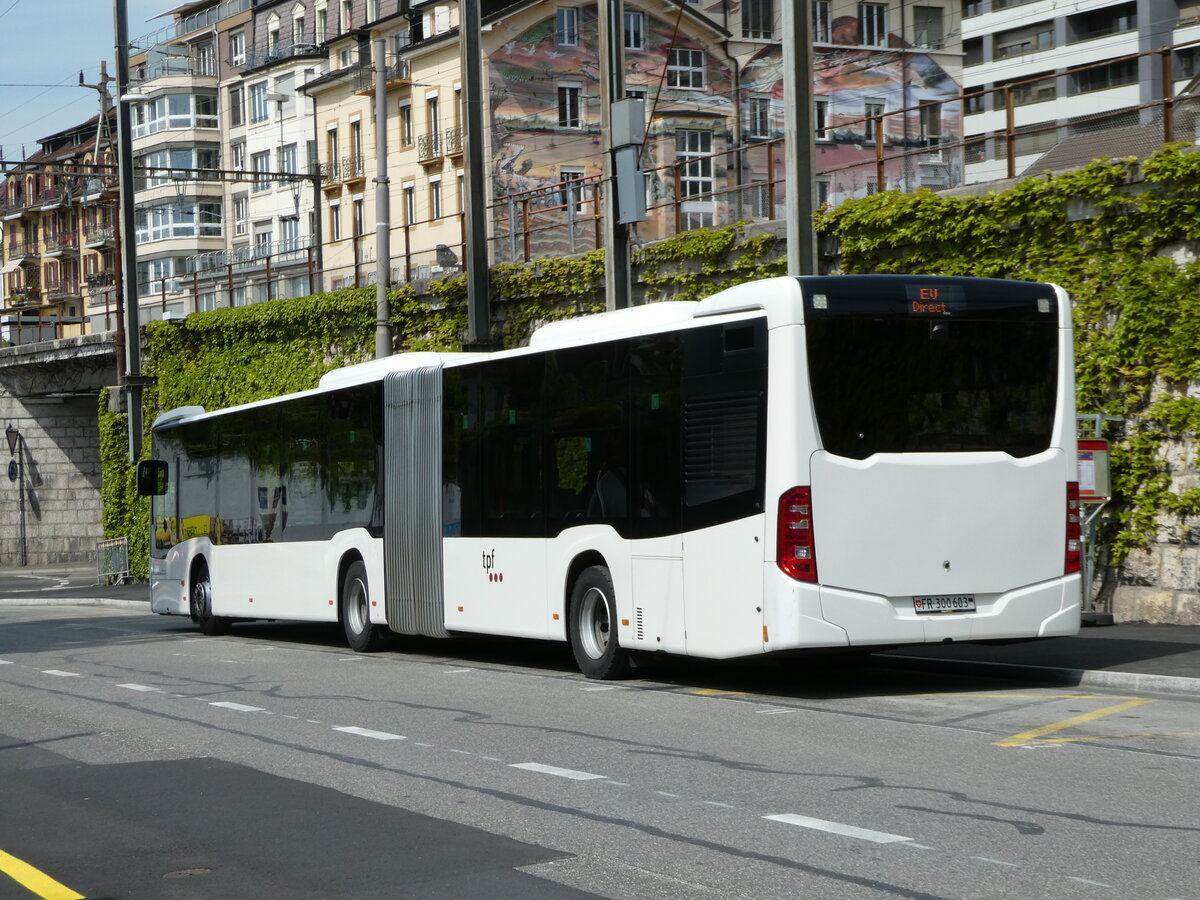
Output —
(151, 478)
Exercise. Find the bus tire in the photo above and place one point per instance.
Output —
(200, 605)
(591, 626)
(361, 635)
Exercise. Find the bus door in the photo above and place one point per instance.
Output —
(412, 537)
(724, 432)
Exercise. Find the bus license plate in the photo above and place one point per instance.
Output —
(944, 603)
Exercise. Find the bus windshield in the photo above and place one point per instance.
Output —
(893, 375)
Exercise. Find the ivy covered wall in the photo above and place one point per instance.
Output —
(1123, 239)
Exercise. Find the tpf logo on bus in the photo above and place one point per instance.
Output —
(489, 567)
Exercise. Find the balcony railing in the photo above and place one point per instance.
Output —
(28, 294)
(398, 70)
(252, 255)
(258, 58)
(98, 235)
(57, 244)
(429, 146)
(64, 289)
(20, 249)
(55, 195)
(328, 172)
(454, 141)
(352, 168)
(14, 209)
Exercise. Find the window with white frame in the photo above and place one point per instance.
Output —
(360, 216)
(873, 114)
(821, 120)
(872, 24)
(259, 109)
(759, 124)
(693, 148)
(273, 36)
(372, 10)
(346, 18)
(822, 24)
(237, 48)
(287, 161)
(261, 165)
(237, 112)
(298, 31)
(289, 234)
(406, 124)
(635, 30)
(241, 215)
(568, 106)
(572, 194)
(410, 203)
(685, 68)
(335, 221)
(928, 30)
(930, 115)
(262, 239)
(237, 156)
(435, 197)
(320, 23)
(758, 19)
(566, 26)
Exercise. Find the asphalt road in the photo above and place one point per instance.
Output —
(143, 760)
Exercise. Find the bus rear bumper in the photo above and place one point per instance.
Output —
(1046, 609)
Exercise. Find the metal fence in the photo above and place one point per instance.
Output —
(112, 560)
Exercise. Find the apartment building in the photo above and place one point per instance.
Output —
(57, 219)
(1067, 73)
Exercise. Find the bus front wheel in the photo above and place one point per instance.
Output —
(592, 626)
(200, 605)
(361, 635)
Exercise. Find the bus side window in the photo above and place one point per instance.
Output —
(655, 423)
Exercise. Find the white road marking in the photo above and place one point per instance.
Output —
(6, 662)
(457, 671)
(1085, 881)
(774, 712)
(717, 805)
(851, 831)
(141, 687)
(667, 794)
(367, 732)
(555, 770)
(601, 688)
(60, 673)
(237, 707)
(998, 862)
(463, 752)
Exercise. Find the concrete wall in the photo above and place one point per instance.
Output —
(61, 453)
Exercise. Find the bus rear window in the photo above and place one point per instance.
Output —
(904, 383)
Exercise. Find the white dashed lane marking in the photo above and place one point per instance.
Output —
(555, 770)
(367, 732)
(145, 688)
(851, 831)
(237, 707)
(60, 673)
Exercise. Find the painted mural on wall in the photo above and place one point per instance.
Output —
(850, 83)
(540, 137)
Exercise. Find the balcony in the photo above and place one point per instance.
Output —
(251, 256)
(97, 237)
(61, 244)
(454, 141)
(58, 291)
(14, 210)
(21, 249)
(257, 59)
(51, 197)
(327, 172)
(25, 295)
(429, 147)
(352, 169)
(396, 73)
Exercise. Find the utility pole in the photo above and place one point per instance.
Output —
(133, 347)
(383, 224)
(475, 251)
(798, 126)
(618, 287)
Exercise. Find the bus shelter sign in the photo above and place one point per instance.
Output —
(1094, 482)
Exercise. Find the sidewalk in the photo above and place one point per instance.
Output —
(1116, 657)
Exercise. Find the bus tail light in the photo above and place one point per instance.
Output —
(795, 546)
(1074, 529)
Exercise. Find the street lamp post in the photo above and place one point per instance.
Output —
(16, 447)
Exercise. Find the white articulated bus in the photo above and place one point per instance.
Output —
(845, 461)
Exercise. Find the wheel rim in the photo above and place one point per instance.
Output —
(200, 598)
(357, 615)
(593, 623)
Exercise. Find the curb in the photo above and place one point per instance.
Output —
(1099, 678)
(76, 601)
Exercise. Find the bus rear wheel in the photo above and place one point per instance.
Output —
(361, 635)
(200, 605)
(591, 626)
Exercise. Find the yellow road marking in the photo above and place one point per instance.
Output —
(713, 692)
(1028, 737)
(1119, 737)
(38, 882)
